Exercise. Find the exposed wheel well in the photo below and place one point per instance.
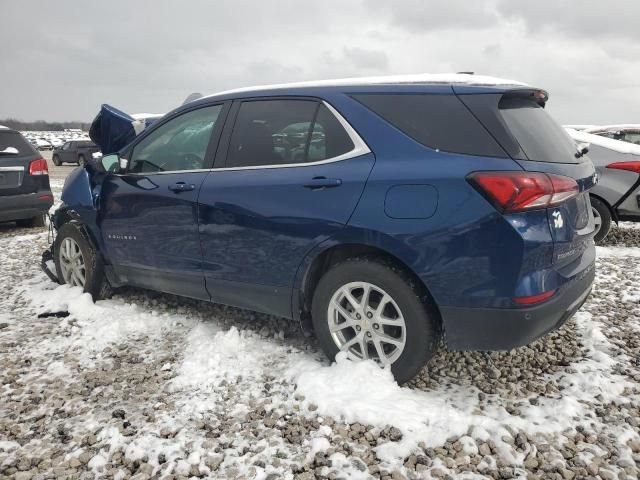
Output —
(334, 255)
(611, 210)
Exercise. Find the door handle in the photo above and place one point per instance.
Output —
(320, 183)
(182, 187)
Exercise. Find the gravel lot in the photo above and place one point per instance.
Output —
(150, 385)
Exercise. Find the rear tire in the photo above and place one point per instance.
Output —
(37, 221)
(376, 329)
(56, 160)
(602, 217)
(78, 263)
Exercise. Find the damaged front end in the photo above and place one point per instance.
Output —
(111, 130)
(80, 197)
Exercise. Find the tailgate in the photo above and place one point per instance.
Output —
(11, 176)
(571, 222)
(520, 123)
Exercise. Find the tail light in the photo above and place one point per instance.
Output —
(38, 167)
(629, 166)
(518, 191)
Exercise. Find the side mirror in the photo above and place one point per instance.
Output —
(112, 163)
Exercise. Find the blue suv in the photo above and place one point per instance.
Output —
(387, 216)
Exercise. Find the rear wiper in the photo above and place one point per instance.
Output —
(9, 151)
(583, 151)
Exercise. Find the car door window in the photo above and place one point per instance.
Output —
(179, 144)
(632, 138)
(66, 146)
(285, 132)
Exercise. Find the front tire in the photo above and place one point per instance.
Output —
(56, 160)
(81, 160)
(602, 218)
(78, 263)
(371, 309)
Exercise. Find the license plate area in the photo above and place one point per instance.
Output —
(11, 177)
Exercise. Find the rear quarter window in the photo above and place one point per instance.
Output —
(441, 122)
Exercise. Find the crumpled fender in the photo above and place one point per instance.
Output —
(80, 198)
(77, 191)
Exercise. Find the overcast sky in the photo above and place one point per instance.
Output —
(59, 60)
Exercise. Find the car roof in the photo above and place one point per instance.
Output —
(414, 80)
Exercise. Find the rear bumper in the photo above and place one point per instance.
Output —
(505, 328)
(18, 207)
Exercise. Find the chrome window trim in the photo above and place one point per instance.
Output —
(12, 169)
(359, 148)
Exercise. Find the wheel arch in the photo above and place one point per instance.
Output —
(612, 211)
(321, 260)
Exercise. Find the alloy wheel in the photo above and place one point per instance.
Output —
(597, 220)
(72, 263)
(367, 323)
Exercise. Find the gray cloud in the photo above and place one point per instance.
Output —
(421, 16)
(591, 19)
(61, 59)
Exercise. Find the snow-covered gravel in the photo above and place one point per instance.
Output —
(148, 385)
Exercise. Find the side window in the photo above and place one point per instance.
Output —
(66, 146)
(632, 137)
(440, 122)
(281, 132)
(328, 139)
(179, 144)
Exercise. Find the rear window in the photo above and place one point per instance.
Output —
(441, 122)
(522, 127)
(17, 141)
(540, 137)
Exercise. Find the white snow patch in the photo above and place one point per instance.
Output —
(612, 252)
(97, 462)
(364, 393)
(101, 323)
(8, 445)
(58, 369)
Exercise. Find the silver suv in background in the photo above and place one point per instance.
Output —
(616, 196)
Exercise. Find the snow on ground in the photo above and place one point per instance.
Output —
(146, 384)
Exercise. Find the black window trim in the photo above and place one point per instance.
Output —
(359, 146)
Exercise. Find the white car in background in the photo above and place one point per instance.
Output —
(42, 144)
(616, 196)
(55, 142)
(626, 132)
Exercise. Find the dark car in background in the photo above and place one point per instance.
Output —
(385, 214)
(25, 194)
(74, 151)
